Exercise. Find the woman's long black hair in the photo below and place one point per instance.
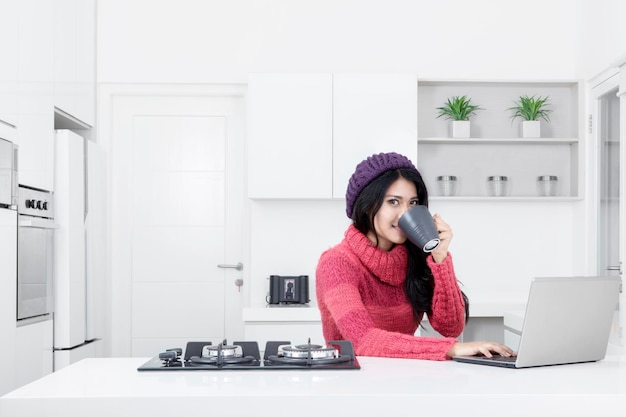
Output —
(419, 284)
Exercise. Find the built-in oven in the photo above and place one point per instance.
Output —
(35, 237)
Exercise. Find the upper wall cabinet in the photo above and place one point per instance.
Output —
(373, 113)
(496, 146)
(55, 68)
(290, 135)
(307, 132)
(35, 83)
(74, 58)
(8, 69)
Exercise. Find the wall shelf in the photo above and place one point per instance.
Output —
(499, 141)
(495, 146)
(503, 199)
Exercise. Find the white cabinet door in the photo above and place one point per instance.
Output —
(33, 352)
(86, 62)
(308, 131)
(35, 120)
(36, 136)
(74, 58)
(290, 136)
(8, 69)
(65, 57)
(69, 241)
(95, 237)
(8, 308)
(372, 113)
(35, 41)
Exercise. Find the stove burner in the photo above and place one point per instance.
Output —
(308, 355)
(308, 351)
(221, 350)
(222, 354)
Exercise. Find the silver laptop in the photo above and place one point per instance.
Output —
(567, 320)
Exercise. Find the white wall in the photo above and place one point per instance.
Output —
(206, 41)
(603, 39)
(287, 238)
(498, 246)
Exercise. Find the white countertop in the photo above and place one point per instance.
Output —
(105, 387)
(482, 304)
(282, 314)
(497, 303)
(514, 321)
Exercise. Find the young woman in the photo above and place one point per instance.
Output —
(375, 286)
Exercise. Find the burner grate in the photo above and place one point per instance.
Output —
(309, 361)
(221, 360)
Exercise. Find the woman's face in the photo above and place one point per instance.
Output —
(400, 196)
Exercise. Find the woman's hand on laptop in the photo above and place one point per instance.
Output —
(480, 348)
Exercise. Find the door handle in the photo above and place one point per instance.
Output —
(238, 267)
(613, 268)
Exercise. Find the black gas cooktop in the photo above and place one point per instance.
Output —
(204, 356)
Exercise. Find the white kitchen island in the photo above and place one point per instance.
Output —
(401, 387)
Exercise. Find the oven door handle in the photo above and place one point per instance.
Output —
(39, 223)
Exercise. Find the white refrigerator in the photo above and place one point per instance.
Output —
(74, 307)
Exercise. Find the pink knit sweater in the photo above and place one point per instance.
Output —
(360, 293)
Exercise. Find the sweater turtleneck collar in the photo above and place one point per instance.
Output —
(388, 266)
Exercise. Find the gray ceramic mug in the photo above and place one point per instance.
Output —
(419, 227)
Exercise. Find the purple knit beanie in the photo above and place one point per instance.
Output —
(369, 169)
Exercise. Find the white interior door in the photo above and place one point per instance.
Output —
(177, 209)
(609, 167)
(607, 193)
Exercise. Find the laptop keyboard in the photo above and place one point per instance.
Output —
(499, 358)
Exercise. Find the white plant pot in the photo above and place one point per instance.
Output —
(531, 129)
(460, 129)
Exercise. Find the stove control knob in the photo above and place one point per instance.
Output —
(39, 205)
(177, 351)
(168, 356)
(44, 205)
(28, 204)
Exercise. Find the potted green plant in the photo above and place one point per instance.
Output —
(530, 110)
(459, 109)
